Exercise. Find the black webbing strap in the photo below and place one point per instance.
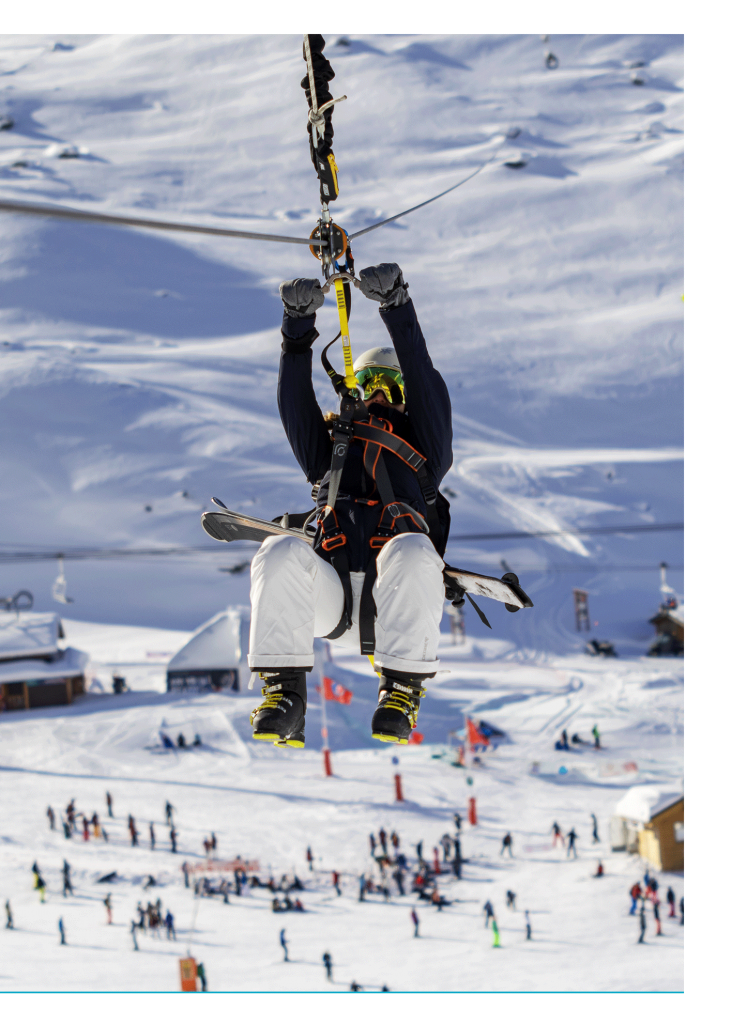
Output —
(367, 610)
(331, 535)
(341, 439)
(339, 561)
(395, 444)
(481, 616)
(383, 483)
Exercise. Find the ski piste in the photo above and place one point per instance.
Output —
(225, 525)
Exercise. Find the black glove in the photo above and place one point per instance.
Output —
(385, 284)
(301, 297)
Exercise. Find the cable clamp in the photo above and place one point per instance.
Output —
(315, 117)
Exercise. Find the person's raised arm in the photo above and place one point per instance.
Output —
(428, 400)
(299, 410)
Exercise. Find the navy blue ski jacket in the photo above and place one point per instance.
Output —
(426, 425)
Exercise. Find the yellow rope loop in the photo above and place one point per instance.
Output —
(349, 376)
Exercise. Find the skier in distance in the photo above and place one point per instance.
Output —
(371, 554)
(572, 837)
(488, 911)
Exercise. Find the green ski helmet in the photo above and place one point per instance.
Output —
(378, 369)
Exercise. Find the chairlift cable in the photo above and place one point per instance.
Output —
(77, 554)
(577, 531)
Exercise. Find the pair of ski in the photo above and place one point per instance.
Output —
(225, 525)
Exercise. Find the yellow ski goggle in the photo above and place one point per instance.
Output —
(381, 378)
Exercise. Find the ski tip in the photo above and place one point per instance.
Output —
(219, 502)
(528, 603)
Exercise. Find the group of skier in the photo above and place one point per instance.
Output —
(563, 742)
(88, 826)
(151, 919)
(559, 837)
(77, 821)
(648, 893)
(169, 823)
(386, 850)
(490, 917)
(39, 883)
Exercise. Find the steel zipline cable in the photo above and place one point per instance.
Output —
(68, 213)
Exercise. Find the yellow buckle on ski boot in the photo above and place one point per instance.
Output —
(397, 701)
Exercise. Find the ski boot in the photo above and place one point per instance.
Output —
(399, 697)
(281, 717)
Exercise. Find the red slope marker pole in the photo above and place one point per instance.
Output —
(324, 729)
(472, 811)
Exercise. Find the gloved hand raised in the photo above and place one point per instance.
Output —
(385, 284)
(301, 297)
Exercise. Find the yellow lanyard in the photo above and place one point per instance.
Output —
(350, 378)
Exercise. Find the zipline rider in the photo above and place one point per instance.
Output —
(373, 576)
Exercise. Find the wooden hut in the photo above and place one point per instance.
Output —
(215, 658)
(35, 671)
(661, 842)
(650, 821)
(669, 626)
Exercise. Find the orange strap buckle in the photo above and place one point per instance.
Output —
(334, 542)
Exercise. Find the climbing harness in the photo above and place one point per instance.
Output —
(354, 422)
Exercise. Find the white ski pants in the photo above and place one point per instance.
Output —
(297, 596)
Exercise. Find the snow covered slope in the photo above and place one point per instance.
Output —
(271, 805)
(138, 369)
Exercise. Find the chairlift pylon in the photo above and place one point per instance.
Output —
(58, 590)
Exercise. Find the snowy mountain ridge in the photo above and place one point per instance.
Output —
(137, 367)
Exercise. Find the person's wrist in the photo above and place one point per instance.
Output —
(398, 297)
(297, 327)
